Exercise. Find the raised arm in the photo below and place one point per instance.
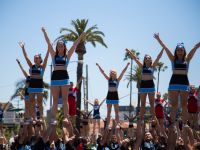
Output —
(139, 135)
(45, 60)
(89, 102)
(192, 51)
(102, 102)
(102, 71)
(22, 69)
(158, 58)
(169, 54)
(21, 44)
(134, 58)
(123, 71)
(126, 116)
(50, 48)
(72, 49)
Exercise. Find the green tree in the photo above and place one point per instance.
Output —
(93, 36)
(160, 67)
(134, 75)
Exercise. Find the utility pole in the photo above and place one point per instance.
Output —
(130, 106)
(84, 93)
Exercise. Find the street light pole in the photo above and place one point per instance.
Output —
(130, 107)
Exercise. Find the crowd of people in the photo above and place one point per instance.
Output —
(162, 131)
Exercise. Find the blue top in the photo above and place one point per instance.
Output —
(60, 61)
(147, 71)
(180, 65)
(36, 70)
(96, 110)
(113, 83)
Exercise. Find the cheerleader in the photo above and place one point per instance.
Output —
(147, 86)
(159, 110)
(60, 78)
(193, 107)
(36, 83)
(96, 114)
(179, 83)
(26, 93)
(72, 100)
(112, 96)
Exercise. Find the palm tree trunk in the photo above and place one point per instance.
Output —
(79, 75)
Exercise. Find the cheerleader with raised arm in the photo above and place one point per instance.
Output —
(25, 95)
(112, 96)
(96, 114)
(35, 88)
(179, 83)
(60, 78)
(147, 86)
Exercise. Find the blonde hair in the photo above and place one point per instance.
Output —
(112, 71)
(96, 101)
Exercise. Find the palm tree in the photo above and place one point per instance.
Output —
(93, 36)
(160, 67)
(134, 75)
(20, 90)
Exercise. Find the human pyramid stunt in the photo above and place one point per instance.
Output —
(162, 130)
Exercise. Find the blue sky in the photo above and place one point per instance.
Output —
(126, 24)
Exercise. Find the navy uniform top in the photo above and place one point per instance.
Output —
(36, 71)
(147, 71)
(180, 65)
(60, 61)
(113, 84)
(96, 110)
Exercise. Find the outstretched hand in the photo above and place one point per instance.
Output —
(156, 36)
(198, 45)
(18, 61)
(97, 64)
(21, 44)
(127, 50)
(43, 29)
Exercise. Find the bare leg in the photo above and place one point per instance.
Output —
(94, 125)
(40, 103)
(65, 90)
(152, 101)
(173, 96)
(32, 105)
(99, 126)
(116, 107)
(109, 107)
(27, 109)
(184, 98)
(55, 92)
(143, 103)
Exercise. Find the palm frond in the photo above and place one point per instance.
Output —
(70, 32)
(89, 31)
